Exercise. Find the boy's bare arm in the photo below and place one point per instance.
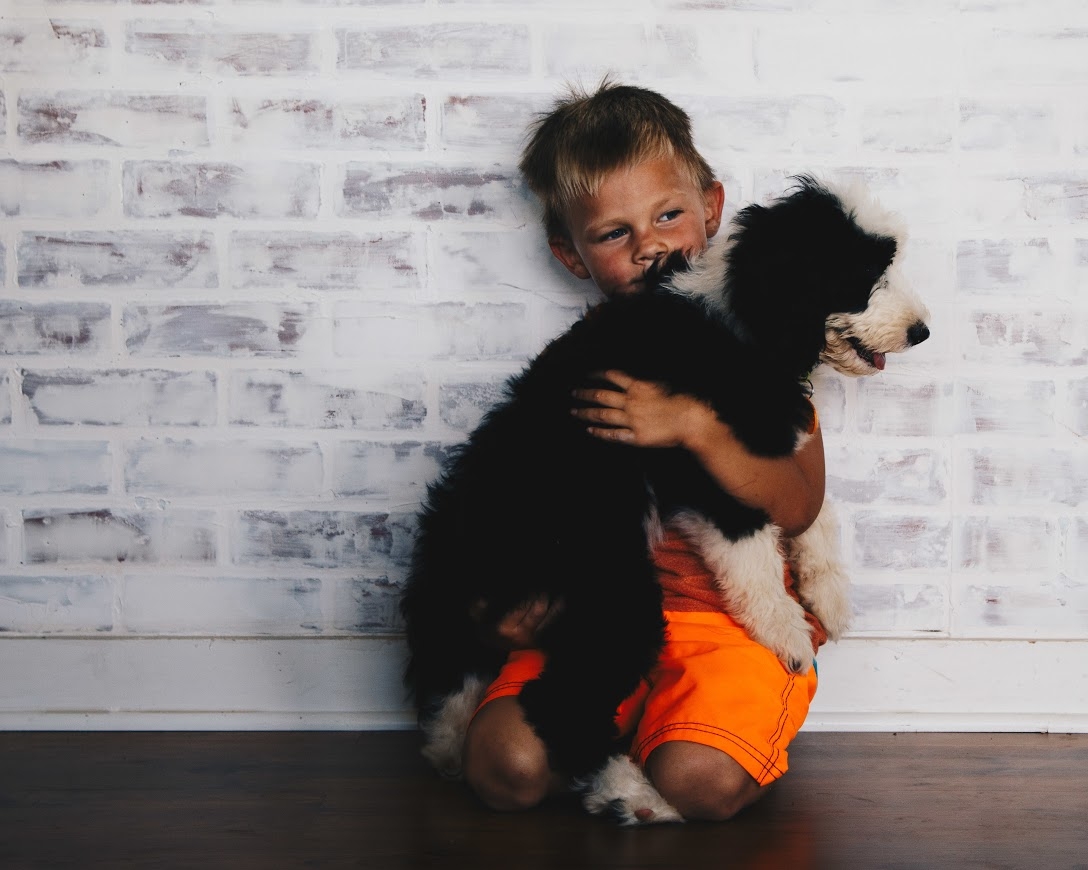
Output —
(790, 489)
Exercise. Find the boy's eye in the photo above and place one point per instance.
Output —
(671, 215)
(617, 233)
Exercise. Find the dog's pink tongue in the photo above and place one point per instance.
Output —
(879, 360)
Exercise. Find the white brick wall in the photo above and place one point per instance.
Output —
(261, 264)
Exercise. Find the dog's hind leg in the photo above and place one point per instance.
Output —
(822, 582)
(750, 576)
(444, 734)
(620, 789)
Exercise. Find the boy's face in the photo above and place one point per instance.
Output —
(640, 214)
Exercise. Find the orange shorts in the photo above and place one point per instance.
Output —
(712, 685)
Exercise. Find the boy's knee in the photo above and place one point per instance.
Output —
(504, 762)
(515, 778)
(701, 782)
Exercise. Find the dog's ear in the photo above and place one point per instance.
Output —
(879, 255)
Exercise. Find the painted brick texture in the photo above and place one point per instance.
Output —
(262, 268)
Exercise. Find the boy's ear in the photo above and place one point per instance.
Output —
(565, 252)
(714, 201)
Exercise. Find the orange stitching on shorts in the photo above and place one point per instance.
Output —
(735, 739)
(776, 750)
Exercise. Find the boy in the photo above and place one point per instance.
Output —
(623, 186)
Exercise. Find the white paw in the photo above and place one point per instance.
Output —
(789, 636)
(829, 600)
(444, 735)
(620, 789)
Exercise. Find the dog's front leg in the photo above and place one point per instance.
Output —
(620, 789)
(822, 581)
(444, 733)
(749, 573)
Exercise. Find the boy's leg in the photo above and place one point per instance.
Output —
(505, 762)
(719, 718)
(701, 782)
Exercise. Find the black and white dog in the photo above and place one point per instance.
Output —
(531, 505)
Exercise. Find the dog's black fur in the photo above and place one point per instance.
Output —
(531, 505)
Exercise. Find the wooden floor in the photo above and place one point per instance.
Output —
(334, 799)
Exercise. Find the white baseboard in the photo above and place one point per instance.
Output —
(354, 684)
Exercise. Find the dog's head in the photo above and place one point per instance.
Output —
(815, 277)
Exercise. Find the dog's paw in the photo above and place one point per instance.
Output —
(444, 735)
(790, 638)
(830, 602)
(620, 790)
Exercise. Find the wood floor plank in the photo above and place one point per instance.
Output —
(336, 799)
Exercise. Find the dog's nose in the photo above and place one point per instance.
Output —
(917, 333)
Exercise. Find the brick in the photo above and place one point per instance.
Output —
(1008, 127)
(1075, 545)
(898, 607)
(1026, 475)
(437, 50)
(1056, 197)
(474, 121)
(860, 475)
(462, 404)
(328, 261)
(1007, 544)
(209, 48)
(3, 119)
(366, 606)
(767, 124)
(44, 45)
(1029, 55)
(431, 193)
(500, 261)
(326, 400)
(119, 258)
(632, 50)
(258, 329)
(58, 189)
(444, 331)
(909, 126)
(1048, 609)
(1046, 337)
(1016, 268)
(807, 53)
(371, 542)
(175, 468)
(890, 405)
(400, 471)
(158, 188)
(58, 328)
(118, 397)
(901, 543)
(1004, 405)
(119, 535)
(112, 118)
(55, 605)
(38, 467)
(312, 122)
(5, 410)
(1075, 415)
(221, 606)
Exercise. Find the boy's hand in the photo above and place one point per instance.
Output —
(521, 627)
(641, 413)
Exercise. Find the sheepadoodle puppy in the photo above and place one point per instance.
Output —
(531, 505)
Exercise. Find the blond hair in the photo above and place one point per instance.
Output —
(586, 136)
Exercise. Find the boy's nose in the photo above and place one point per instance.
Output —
(651, 247)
